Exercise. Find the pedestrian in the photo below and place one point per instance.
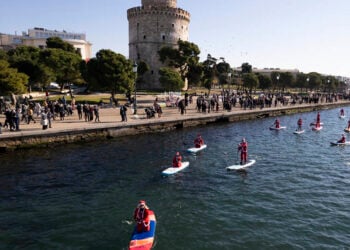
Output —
(123, 110)
(30, 113)
(44, 121)
(97, 113)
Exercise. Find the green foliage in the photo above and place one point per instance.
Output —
(170, 79)
(315, 80)
(58, 43)
(185, 58)
(250, 81)
(195, 74)
(286, 80)
(110, 71)
(65, 65)
(264, 82)
(3, 55)
(10, 80)
(246, 68)
(27, 60)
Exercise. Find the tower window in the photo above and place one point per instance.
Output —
(163, 37)
(173, 25)
(152, 72)
(144, 37)
(138, 56)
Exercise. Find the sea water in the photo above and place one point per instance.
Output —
(296, 196)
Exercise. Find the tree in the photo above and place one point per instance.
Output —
(315, 80)
(210, 73)
(264, 81)
(246, 68)
(110, 71)
(184, 58)
(302, 81)
(286, 80)
(26, 60)
(65, 65)
(170, 79)
(3, 55)
(10, 80)
(58, 43)
(250, 81)
(223, 69)
(142, 68)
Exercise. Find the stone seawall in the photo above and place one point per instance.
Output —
(51, 138)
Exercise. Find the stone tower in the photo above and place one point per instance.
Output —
(155, 24)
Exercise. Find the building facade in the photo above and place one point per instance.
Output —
(37, 38)
(155, 24)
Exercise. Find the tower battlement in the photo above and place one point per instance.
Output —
(180, 13)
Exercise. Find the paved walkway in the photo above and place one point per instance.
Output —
(110, 117)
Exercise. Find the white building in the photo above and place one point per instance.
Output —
(37, 37)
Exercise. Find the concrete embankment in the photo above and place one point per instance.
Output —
(72, 130)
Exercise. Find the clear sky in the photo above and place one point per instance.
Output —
(309, 35)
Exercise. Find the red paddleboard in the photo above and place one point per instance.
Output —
(144, 240)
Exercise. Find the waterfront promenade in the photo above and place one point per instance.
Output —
(110, 118)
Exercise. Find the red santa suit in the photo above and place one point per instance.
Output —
(177, 160)
(141, 216)
(198, 142)
(243, 147)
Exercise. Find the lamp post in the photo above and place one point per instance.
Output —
(278, 79)
(134, 69)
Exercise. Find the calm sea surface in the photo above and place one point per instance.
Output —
(297, 195)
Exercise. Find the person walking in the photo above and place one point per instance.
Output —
(123, 110)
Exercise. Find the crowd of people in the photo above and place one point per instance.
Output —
(51, 110)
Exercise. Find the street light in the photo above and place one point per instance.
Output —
(134, 69)
(278, 79)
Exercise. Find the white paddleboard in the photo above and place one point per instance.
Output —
(172, 170)
(238, 167)
(314, 123)
(195, 150)
(298, 132)
(342, 117)
(347, 130)
(340, 144)
(280, 128)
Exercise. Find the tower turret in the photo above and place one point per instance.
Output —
(155, 24)
(159, 3)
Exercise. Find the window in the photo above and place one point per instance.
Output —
(144, 37)
(163, 38)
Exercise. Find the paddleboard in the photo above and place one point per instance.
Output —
(314, 123)
(347, 130)
(340, 144)
(172, 170)
(280, 128)
(317, 129)
(298, 132)
(195, 150)
(342, 117)
(238, 167)
(144, 240)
